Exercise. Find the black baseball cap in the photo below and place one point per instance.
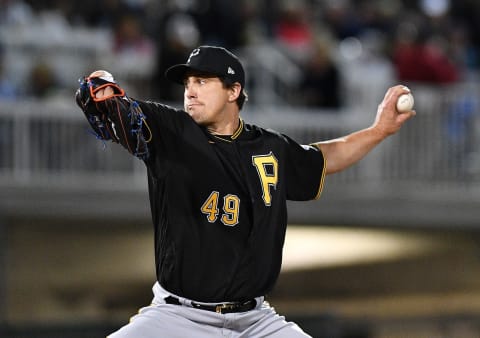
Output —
(212, 60)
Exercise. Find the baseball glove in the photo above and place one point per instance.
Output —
(114, 116)
(89, 103)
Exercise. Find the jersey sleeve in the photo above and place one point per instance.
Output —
(166, 125)
(305, 171)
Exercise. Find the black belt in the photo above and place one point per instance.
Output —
(218, 308)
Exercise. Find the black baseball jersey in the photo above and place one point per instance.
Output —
(219, 203)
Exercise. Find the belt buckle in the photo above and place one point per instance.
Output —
(225, 306)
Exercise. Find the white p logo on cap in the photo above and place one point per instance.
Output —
(195, 52)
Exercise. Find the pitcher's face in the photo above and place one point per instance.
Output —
(205, 98)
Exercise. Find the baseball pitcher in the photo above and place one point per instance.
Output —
(218, 188)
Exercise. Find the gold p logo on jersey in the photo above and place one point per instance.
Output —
(267, 169)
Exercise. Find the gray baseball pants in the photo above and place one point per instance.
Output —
(162, 320)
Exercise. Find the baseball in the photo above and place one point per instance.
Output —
(103, 74)
(405, 103)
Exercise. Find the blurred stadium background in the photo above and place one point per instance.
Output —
(391, 249)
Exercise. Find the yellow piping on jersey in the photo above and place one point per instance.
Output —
(235, 134)
(322, 179)
(149, 130)
(220, 138)
(239, 130)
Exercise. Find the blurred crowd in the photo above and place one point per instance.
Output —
(334, 44)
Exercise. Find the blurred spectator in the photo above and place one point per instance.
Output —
(461, 130)
(257, 27)
(341, 18)
(131, 41)
(178, 34)
(464, 52)
(134, 53)
(41, 82)
(7, 89)
(365, 70)
(15, 12)
(465, 16)
(221, 22)
(376, 16)
(293, 31)
(91, 13)
(420, 57)
(321, 83)
(149, 36)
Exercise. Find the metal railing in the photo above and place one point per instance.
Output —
(439, 146)
(45, 141)
(49, 143)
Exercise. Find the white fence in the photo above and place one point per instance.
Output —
(49, 143)
(43, 142)
(439, 147)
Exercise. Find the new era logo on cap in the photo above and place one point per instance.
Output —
(212, 60)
